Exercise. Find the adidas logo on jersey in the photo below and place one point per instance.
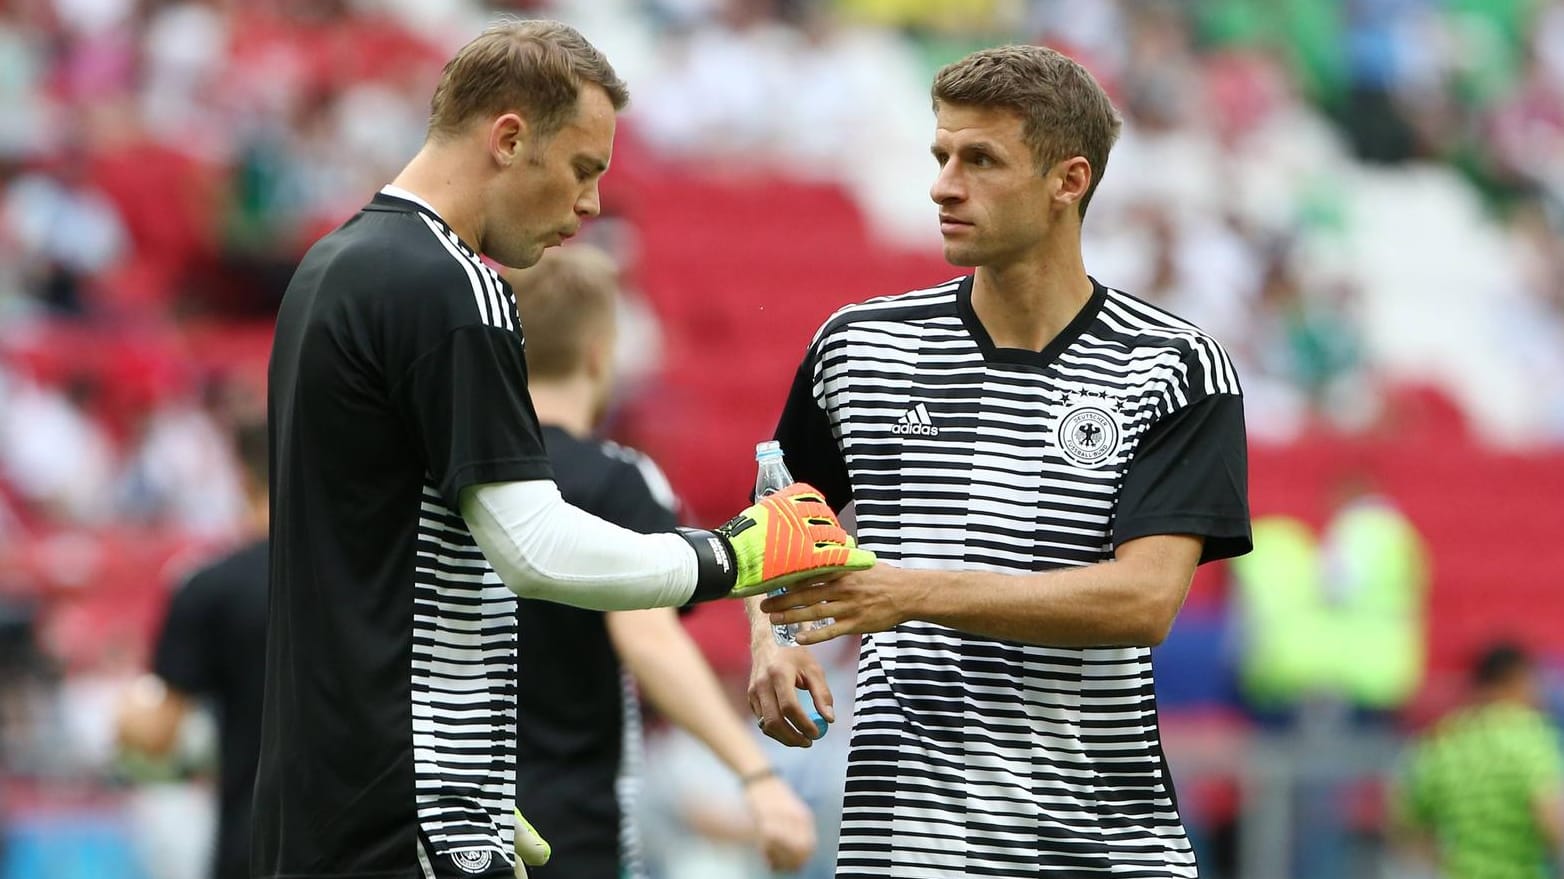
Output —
(915, 421)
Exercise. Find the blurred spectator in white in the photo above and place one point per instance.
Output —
(717, 95)
(812, 97)
(183, 52)
(58, 458)
(182, 472)
(23, 109)
(1535, 317)
(66, 230)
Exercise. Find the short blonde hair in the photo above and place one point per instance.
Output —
(1064, 111)
(535, 67)
(570, 296)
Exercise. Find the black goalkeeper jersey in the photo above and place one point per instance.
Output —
(389, 733)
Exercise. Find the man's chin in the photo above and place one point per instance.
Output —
(961, 256)
(525, 259)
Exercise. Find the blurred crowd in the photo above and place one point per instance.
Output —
(1362, 199)
(163, 164)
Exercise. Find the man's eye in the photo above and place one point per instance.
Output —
(981, 160)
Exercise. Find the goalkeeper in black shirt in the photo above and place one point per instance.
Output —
(413, 500)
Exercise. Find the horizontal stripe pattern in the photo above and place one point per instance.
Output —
(973, 756)
(463, 690)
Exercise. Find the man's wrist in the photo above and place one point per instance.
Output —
(716, 568)
(754, 777)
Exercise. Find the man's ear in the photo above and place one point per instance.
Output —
(1074, 177)
(509, 139)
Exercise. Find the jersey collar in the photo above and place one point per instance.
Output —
(1021, 356)
(397, 192)
(394, 198)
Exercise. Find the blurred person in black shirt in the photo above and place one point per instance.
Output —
(579, 728)
(213, 647)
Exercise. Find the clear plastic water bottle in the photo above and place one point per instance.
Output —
(771, 476)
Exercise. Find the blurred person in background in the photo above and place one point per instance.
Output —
(1334, 625)
(579, 727)
(413, 500)
(1482, 794)
(212, 647)
(1332, 634)
(55, 453)
(1044, 461)
(694, 817)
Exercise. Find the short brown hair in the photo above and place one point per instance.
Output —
(1064, 111)
(564, 301)
(535, 67)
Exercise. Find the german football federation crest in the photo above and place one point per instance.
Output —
(1088, 431)
(473, 860)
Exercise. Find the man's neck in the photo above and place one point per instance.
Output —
(257, 516)
(565, 403)
(444, 179)
(1026, 303)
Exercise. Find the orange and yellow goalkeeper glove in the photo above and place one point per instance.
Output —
(783, 538)
(786, 537)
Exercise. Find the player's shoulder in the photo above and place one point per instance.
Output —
(911, 306)
(397, 257)
(211, 578)
(592, 472)
(248, 560)
(632, 467)
(1150, 331)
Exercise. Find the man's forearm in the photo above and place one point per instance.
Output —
(542, 547)
(1085, 607)
(675, 678)
(1130, 601)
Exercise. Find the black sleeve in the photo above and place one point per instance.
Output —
(185, 656)
(808, 445)
(1191, 476)
(467, 402)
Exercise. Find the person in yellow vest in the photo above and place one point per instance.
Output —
(1340, 617)
(1332, 633)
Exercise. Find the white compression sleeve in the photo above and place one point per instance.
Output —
(542, 547)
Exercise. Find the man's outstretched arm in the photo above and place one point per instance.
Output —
(1130, 601)
(542, 547)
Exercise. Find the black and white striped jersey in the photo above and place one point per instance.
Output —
(398, 378)
(973, 756)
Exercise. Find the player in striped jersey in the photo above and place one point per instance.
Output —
(412, 497)
(1043, 461)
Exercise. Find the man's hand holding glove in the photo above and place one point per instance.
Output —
(784, 538)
